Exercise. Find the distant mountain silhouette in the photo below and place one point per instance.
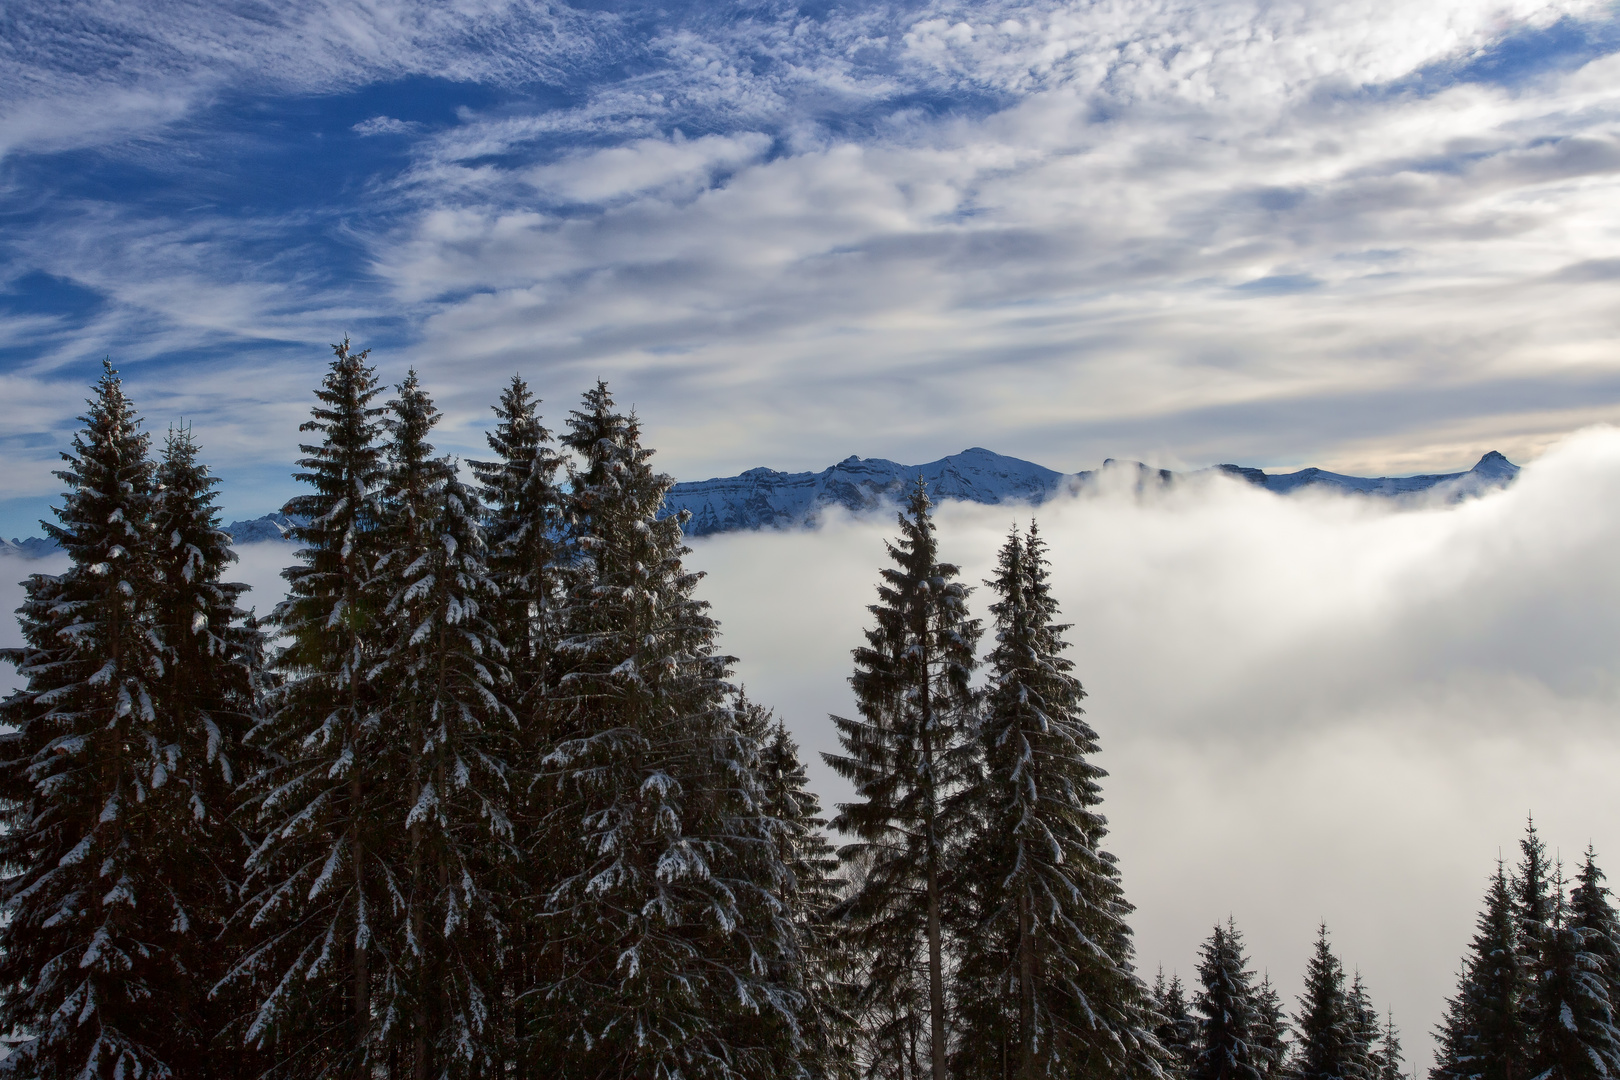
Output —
(765, 498)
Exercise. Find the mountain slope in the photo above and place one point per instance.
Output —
(766, 498)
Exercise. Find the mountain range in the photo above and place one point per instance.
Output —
(765, 498)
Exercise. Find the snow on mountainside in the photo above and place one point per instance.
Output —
(761, 498)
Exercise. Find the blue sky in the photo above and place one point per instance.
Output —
(1375, 236)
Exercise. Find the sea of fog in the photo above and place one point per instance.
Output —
(1311, 708)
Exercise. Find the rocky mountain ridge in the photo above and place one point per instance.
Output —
(766, 498)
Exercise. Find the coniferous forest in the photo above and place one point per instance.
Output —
(478, 799)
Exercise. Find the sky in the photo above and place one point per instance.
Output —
(1371, 236)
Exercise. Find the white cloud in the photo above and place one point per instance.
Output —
(1309, 708)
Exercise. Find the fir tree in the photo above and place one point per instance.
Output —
(1176, 1031)
(1049, 936)
(523, 524)
(671, 920)
(213, 676)
(905, 757)
(327, 803)
(1483, 1034)
(97, 950)
(1327, 1042)
(1389, 1061)
(822, 971)
(1591, 912)
(1270, 1029)
(1572, 1032)
(1366, 1031)
(450, 732)
(1532, 905)
(1226, 1010)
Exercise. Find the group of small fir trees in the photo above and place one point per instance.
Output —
(1540, 983)
(1233, 1029)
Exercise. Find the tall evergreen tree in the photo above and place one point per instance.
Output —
(1532, 904)
(523, 521)
(905, 757)
(1591, 912)
(671, 920)
(1270, 1031)
(1572, 1031)
(1390, 1063)
(1050, 935)
(212, 679)
(99, 946)
(1483, 1034)
(822, 970)
(523, 524)
(1366, 1031)
(1176, 1030)
(450, 731)
(326, 803)
(1327, 1041)
(1226, 1010)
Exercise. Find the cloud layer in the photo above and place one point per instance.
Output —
(1309, 708)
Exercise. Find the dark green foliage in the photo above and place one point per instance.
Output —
(523, 523)
(1270, 1029)
(1572, 1032)
(448, 734)
(824, 971)
(524, 529)
(1225, 1008)
(1389, 1063)
(98, 950)
(212, 679)
(1366, 1032)
(1176, 1030)
(1483, 1035)
(328, 801)
(670, 919)
(905, 756)
(1326, 1026)
(1046, 977)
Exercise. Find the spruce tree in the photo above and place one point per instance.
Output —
(1366, 1032)
(1270, 1031)
(1327, 1043)
(212, 679)
(1049, 938)
(450, 731)
(523, 526)
(523, 519)
(1389, 1062)
(1572, 1031)
(1532, 906)
(822, 971)
(1591, 912)
(1175, 1029)
(905, 757)
(670, 920)
(327, 802)
(1483, 1034)
(1226, 1010)
(100, 944)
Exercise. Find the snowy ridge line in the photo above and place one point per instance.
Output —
(761, 498)
(765, 498)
